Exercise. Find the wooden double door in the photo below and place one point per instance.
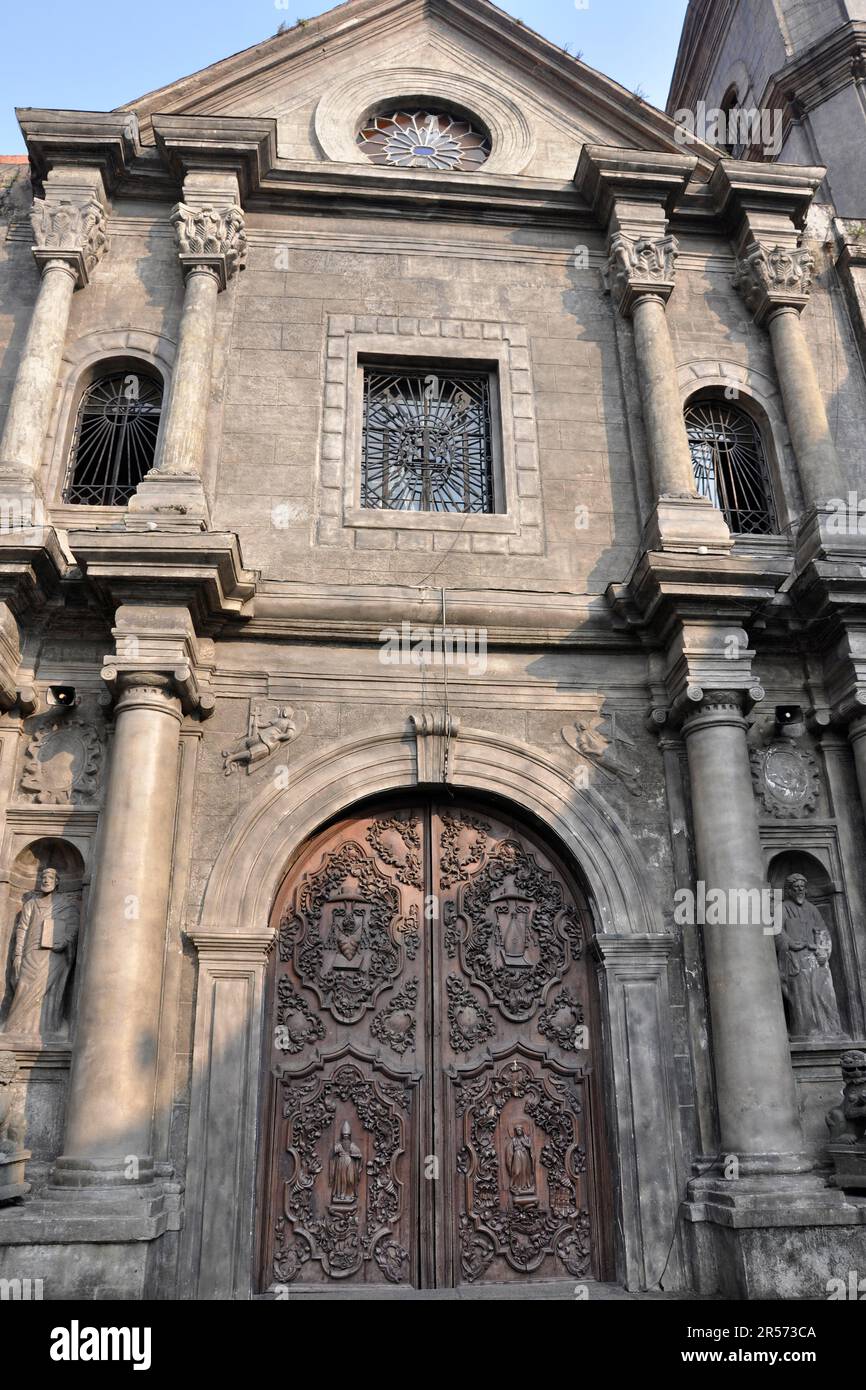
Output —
(434, 1115)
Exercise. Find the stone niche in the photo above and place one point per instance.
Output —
(815, 1059)
(43, 1058)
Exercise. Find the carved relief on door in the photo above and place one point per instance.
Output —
(434, 1118)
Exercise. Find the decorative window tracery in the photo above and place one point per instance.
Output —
(427, 440)
(424, 140)
(114, 444)
(730, 465)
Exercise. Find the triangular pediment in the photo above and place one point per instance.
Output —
(319, 79)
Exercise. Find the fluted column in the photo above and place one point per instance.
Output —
(70, 238)
(775, 282)
(113, 1080)
(211, 246)
(757, 1105)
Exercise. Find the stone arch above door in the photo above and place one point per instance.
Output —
(253, 861)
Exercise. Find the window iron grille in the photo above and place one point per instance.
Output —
(427, 444)
(730, 466)
(114, 444)
(423, 140)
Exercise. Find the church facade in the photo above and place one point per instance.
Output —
(433, 671)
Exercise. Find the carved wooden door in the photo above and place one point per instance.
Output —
(433, 1118)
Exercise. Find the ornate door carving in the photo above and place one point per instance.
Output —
(434, 1119)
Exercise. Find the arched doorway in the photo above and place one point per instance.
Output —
(434, 1115)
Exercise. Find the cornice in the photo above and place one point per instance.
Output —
(202, 571)
(819, 73)
(704, 31)
(106, 140)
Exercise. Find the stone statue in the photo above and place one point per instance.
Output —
(345, 1173)
(263, 740)
(803, 947)
(13, 1158)
(847, 1122)
(10, 1137)
(46, 935)
(520, 1164)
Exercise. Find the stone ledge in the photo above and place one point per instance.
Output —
(91, 1221)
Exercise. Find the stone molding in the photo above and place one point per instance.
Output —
(210, 238)
(343, 107)
(521, 525)
(640, 266)
(772, 278)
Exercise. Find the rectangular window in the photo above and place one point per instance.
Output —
(426, 439)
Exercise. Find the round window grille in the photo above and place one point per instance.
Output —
(423, 140)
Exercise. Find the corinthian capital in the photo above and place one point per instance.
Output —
(70, 231)
(640, 266)
(212, 237)
(775, 277)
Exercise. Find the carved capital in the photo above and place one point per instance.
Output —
(71, 233)
(210, 238)
(156, 651)
(639, 266)
(709, 665)
(772, 278)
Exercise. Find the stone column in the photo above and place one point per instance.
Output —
(857, 739)
(211, 245)
(113, 1080)
(775, 282)
(754, 1080)
(640, 277)
(70, 238)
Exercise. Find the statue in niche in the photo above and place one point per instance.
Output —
(45, 940)
(804, 947)
(520, 1165)
(345, 1172)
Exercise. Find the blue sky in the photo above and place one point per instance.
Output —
(60, 53)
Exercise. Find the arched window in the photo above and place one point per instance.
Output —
(114, 443)
(732, 134)
(730, 465)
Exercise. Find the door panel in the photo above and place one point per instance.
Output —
(432, 1118)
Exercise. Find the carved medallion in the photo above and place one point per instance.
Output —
(457, 858)
(786, 779)
(561, 1020)
(470, 1023)
(397, 841)
(343, 933)
(395, 1025)
(515, 929)
(296, 1024)
(344, 1200)
(62, 763)
(521, 1163)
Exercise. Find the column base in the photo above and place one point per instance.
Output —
(690, 524)
(831, 532)
(168, 502)
(100, 1173)
(21, 504)
(785, 1236)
